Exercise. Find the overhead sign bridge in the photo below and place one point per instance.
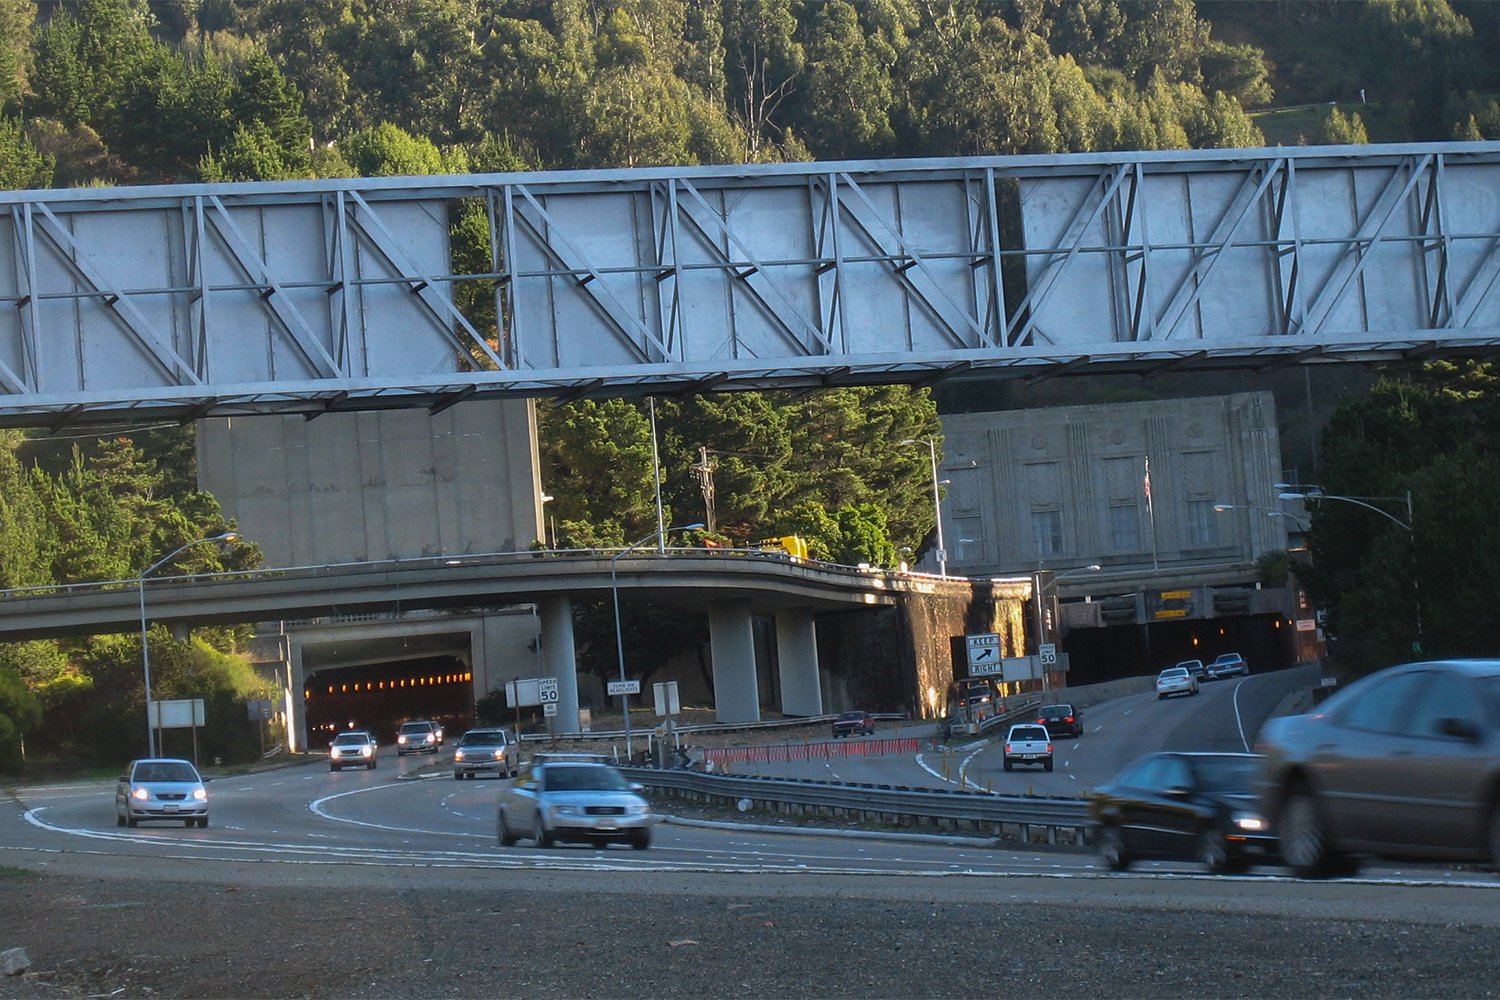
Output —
(129, 304)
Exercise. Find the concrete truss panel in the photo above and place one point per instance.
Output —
(305, 297)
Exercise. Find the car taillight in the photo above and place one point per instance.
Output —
(1049, 747)
(1068, 719)
(1007, 748)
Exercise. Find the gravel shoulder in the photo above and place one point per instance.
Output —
(576, 935)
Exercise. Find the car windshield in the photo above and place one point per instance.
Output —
(481, 739)
(1235, 775)
(350, 739)
(851, 716)
(583, 778)
(416, 727)
(1057, 711)
(1172, 672)
(167, 771)
(1028, 733)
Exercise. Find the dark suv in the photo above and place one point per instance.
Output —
(418, 737)
(1061, 720)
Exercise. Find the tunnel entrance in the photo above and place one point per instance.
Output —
(1267, 642)
(381, 696)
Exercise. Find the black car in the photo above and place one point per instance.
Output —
(1188, 806)
(1196, 670)
(1404, 763)
(1061, 720)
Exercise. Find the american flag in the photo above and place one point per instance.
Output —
(1147, 482)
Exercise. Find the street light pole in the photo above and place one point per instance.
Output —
(937, 502)
(1041, 622)
(614, 589)
(140, 584)
(1305, 492)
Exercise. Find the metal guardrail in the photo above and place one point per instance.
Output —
(1027, 818)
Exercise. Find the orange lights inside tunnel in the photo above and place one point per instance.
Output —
(394, 684)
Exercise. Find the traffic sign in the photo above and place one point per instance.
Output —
(549, 708)
(547, 690)
(1047, 652)
(624, 687)
(984, 649)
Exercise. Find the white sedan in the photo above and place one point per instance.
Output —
(1175, 680)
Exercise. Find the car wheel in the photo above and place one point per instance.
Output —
(641, 840)
(334, 767)
(119, 820)
(190, 822)
(540, 834)
(371, 765)
(458, 776)
(1304, 838)
(1112, 849)
(1161, 697)
(1213, 853)
(1008, 765)
(203, 823)
(1047, 764)
(507, 839)
(130, 821)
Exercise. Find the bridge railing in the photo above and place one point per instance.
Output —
(439, 562)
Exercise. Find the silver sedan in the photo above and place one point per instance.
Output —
(575, 801)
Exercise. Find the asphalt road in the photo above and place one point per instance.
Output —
(309, 883)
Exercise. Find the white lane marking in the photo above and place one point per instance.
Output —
(1237, 720)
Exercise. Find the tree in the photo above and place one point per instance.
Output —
(19, 714)
(22, 165)
(389, 151)
(849, 83)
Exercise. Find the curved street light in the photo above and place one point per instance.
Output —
(937, 501)
(1304, 492)
(614, 589)
(1268, 511)
(1313, 493)
(140, 583)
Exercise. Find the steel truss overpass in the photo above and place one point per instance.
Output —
(129, 304)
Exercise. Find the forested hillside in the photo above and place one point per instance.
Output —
(116, 92)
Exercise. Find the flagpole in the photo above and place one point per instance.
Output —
(1151, 513)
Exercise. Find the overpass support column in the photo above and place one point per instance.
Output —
(296, 700)
(732, 645)
(797, 654)
(558, 658)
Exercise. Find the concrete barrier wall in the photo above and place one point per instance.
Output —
(1093, 694)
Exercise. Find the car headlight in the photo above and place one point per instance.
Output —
(335, 753)
(636, 810)
(1249, 822)
(565, 810)
(365, 750)
(200, 794)
(458, 755)
(139, 794)
(400, 739)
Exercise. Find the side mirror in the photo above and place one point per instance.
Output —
(1179, 791)
(1461, 728)
(636, 786)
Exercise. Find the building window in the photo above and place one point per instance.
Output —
(1124, 527)
(1123, 492)
(1044, 498)
(1198, 479)
(1046, 525)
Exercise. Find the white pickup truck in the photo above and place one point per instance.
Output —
(1028, 744)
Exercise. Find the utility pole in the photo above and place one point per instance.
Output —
(705, 470)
